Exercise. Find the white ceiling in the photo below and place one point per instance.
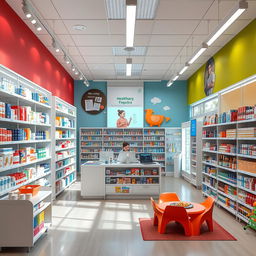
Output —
(179, 28)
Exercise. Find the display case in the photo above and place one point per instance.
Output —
(25, 132)
(94, 140)
(229, 146)
(25, 220)
(64, 146)
(173, 143)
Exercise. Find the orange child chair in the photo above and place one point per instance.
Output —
(167, 197)
(171, 213)
(205, 216)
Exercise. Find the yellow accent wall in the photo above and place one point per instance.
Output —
(233, 63)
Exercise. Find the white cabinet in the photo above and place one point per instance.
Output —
(92, 181)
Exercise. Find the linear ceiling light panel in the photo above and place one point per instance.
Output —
(175, 78)
(198, 54)
(242, 6)
(169, 84)
(128, 67)
(135, 51)
(184, 69)
(130, 21)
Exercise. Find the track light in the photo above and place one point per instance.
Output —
(38, 27)
(242, 6)
(33, 21)
(66, 59)
(86, 83)
(128, 66)
(55, 46)
(73, 68)
(76, 72)
(26, 10)
(130, 21)
(81, 77)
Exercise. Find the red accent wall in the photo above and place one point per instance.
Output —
(23, 52)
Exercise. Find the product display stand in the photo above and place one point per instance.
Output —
(64, 145)
(122, 181)
(196, 156)
(94, 140)
(224, 161)
(32, 221)
(25, 132)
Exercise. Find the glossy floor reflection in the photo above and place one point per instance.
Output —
(111, 228)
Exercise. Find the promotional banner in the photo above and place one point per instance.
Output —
(125, 107)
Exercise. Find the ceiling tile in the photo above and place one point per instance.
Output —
(46, 9)
(163, 51)
(140, 40)
(101, 66)
(77, 59)
(95, 51)
(175, 27)
(99, 40)
(99, 27)
(57, 26)
(162, 59)
(73, 50)
(117, 27)
(182, 9)
(161, 66)
(80, 9)
(168, 40)
(99, 59)
(66, 40)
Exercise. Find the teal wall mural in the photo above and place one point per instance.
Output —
(170, 102)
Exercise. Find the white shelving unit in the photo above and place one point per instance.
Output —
(64, 146)
(196, 156)
(32, 104)
(25, 233)
(94, 140)
(228, 185)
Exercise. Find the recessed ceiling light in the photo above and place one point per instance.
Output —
(79, 27)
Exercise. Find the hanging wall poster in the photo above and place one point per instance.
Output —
(93, 101)
(125, 107)
(209, 76)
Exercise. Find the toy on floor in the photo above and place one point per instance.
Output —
(252, 218)
(154, 120)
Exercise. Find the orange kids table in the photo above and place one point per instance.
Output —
(192, 212)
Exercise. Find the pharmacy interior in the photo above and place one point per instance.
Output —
(124, 159)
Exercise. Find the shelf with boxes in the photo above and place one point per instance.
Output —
(64, 145)
(136, 181)
(235, 160)
(25, 133)
(94, 140)
(35, 212)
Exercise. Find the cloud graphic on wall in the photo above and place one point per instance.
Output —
(156, 100)
(166, 108)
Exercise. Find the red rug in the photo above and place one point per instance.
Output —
(175, 232)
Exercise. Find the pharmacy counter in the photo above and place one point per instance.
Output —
(118, 180)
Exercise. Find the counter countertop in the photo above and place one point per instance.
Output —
(154, 164)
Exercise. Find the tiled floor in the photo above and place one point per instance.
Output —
(111, 228)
